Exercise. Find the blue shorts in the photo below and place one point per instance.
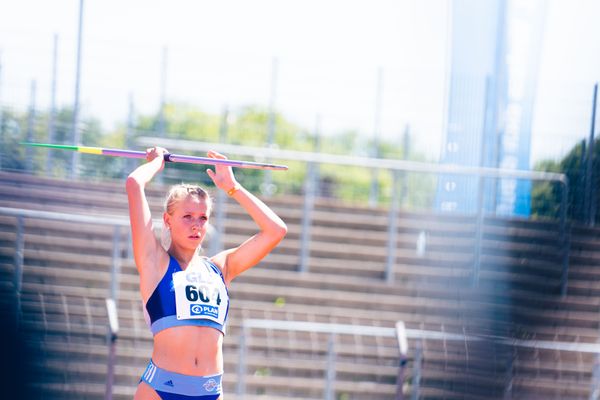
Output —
(173, 386)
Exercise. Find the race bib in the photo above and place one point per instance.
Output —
(199, 294)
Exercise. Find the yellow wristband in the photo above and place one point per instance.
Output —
(234, 189)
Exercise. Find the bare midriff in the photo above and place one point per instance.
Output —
(189, 350)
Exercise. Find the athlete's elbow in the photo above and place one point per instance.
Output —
(280, 230)
(131, 183)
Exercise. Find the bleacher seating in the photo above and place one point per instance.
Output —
(67, 276)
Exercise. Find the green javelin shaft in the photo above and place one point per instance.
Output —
(52, 146)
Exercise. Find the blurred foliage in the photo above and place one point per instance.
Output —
(250, 126)
(244, 126)
(546, 196)
(16, 127)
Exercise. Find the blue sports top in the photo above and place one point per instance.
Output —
(197, 296)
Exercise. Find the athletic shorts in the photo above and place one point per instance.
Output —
(173, 386)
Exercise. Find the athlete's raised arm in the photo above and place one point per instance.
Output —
(271, 228)
(145, 245)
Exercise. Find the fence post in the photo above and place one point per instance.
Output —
(417, 370)
(564, 238)
(216, 239)
(402, 358)
(595, 384)
(129, 240)
(116, 263)
(241, 383)
(113, 325)
(392, 233)
(30, 128)
(129, 163)
(588, 204)
(478, 233)
(330, 371)
(268, 188)
(76, 131)
(307, 209)
(52, 112)
(375, 149)
(19, 259)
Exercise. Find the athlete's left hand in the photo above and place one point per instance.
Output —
(222, 176)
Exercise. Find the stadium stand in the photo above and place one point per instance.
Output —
(67, 276)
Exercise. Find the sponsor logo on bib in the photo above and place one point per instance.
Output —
(199, 309)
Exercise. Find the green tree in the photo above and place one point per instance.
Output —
(14, 130)
(245, 126)
(546, 196)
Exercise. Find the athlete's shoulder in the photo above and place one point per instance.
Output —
(154, 273)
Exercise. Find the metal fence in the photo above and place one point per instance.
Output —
(115, 269)
(399, 171)
(403, 185)
(413, 356)
(332, 330)
(118, 237)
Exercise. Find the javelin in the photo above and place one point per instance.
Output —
(178, 158)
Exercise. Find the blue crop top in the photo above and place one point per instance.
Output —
(197, 296)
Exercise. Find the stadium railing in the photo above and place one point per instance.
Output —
(405, 354)
(331, 330)
(396, 167)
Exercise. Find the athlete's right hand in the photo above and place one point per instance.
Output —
(156, 155)
(155, 152)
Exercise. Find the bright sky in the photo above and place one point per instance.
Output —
(328, 54)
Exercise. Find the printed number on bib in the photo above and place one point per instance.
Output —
(197, 296)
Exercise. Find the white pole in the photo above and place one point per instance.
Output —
(374, 193)
(76, 132)
(268, 188)
(52, 116)
(30, 127)
(163, 93)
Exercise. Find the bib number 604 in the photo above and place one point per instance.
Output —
(192, 293)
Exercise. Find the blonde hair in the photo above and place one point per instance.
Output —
(183, 190)
(176, 194)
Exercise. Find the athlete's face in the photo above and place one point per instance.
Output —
(188, 222)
